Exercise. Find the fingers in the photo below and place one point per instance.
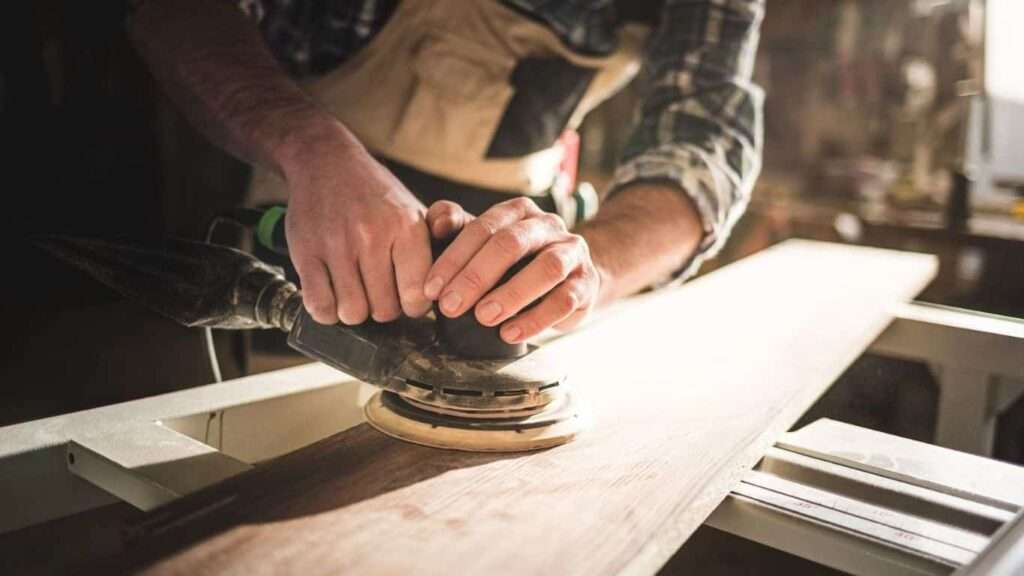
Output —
(349, 295)
(379, 281)
(548, 269)
(446, 219)
(378, 273)
(380, 265)
(317, 294)
(505, 248)
(570, 298)
(470, 240)
(363, 248)
(412, 259)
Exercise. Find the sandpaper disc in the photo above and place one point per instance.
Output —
(556, 424)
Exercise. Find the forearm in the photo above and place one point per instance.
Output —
(700, 125)
(640, 237)
(214, 64)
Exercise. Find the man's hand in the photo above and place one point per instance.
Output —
(357, 237)
(561, 279)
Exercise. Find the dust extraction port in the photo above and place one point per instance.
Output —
(512, 392)
(461, 392)
(420, 385)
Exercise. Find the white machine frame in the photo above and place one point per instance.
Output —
(977, 359)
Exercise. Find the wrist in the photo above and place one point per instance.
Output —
(311, 141)
(601, 243)
(642, 236)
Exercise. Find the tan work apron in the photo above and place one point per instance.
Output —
(431, 87)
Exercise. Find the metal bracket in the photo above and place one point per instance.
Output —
(871, 503)
(148, 465)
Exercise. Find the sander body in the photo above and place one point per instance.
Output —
(445, 382)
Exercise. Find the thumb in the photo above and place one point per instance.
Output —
(446, 219)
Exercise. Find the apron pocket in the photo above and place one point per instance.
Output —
(458, 97)
(547, 91)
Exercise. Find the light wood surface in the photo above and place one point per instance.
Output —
(687, 388)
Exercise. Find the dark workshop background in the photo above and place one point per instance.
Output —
(865, 130)
(94, 149)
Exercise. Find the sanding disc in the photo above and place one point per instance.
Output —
(556, 424)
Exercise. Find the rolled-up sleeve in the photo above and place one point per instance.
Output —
(700, 125)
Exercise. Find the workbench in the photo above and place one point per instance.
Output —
(688, 389)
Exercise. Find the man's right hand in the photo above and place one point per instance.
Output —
(357, 237)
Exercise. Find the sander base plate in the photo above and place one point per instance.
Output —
(555, 424)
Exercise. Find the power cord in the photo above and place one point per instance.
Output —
(238, 218)
(211, 349)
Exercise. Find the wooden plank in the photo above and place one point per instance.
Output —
(688, 387)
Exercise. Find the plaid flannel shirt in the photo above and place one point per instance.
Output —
(700, 122)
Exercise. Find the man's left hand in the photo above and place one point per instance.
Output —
(561, 279)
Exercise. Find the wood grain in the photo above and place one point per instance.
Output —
(688, 387)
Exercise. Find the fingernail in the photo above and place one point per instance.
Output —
(433, 287)
(511, 333)
(451, 302)
(440, 226)
(489, 312)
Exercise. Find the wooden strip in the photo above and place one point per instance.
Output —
(688, 388)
